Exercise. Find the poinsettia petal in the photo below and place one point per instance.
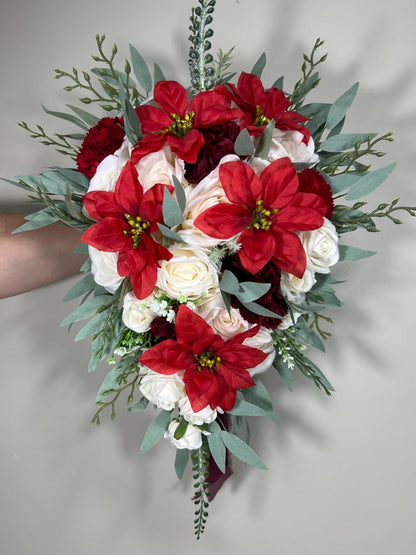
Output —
(190, 328)
(290, 255)
(106, 235)
(240, 183)
(251, 91)
(188, 146)
(202, 389)
(304, 213)
(149, 143)
(257, 248)
(152, 119)
(167, 357)
(275, 103)
(172, 96)
(144, 281)
(280, 183)
(100, 204)
(223, 220)
(212, 108)
(129, 191)
(235, 376)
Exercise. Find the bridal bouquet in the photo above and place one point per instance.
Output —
(212, 216)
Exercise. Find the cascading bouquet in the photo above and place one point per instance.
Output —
(211, 217)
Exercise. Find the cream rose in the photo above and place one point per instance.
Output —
(137, 315)
(163, 391)
(264, 342)
(294, 288)
(204, 416)
(290, 144)
(159, 167)
(104, 269)
(188, 273)
(109, 169)
(192, 438)
(224, 324)
(321, 247)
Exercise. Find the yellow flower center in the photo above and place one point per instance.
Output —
(180, 126)
(260, 118)
(207, 360)
(261, 217)
(137, 226)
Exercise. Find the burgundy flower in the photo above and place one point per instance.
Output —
(272, 300)
(162, 329)
(311, 181)
(219, 141)
(101, 140)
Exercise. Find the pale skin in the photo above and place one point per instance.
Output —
(32, 259)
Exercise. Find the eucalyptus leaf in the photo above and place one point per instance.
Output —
(308, 336)
(339, 183)
(87, 309)
(251, 290)
(132, 125)
(157, 74)
(83, 287)
(172, 214)
(241, 450)
(340, 107)
(67, 117)
(283, 370)
(259, 65)
(243, 145)
(181, 460)
(92, 327)
(37, 220)
(348, 253)
(216, 446)
(140, 405)
(265, 141)
(109, 384)
(344, 141)
(180, 193)
(89, 119)
(141, 71)
(368, 182)
(155, 431)
(78, 181)
(317, 372)
(261, 310)
(229, 283)
(169, 234)
(258, 395)
(244, 408)
(278, 84)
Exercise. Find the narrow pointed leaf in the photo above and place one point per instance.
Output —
(241, 450)
(155, 431)
(367, 183)
(340, 107)
(243, 145)
(216, 446)
(172, 214)
(265, 141)
(259, 66)
(141, 71)
(347, 253)
(181, 460)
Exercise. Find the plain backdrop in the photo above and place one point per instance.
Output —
(341, 470)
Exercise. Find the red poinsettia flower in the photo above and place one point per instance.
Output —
(178, 121)
(260, 106)
(126, 219)
(213, 368)
(266, 211)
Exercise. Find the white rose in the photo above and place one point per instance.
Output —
(224, 324)
(287, 321)
(294, 288)
(264, 342)
(321, 247)
(164, 391)
(159, 167)
(109, 169)
(191, 439)
(204, 416)
(189, 272)
(104, 269)
(290, 144)
(136, 313)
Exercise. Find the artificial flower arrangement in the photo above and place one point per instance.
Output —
(212, 217)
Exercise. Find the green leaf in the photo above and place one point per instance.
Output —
(89, 119)
(169, 234)
(251, 290)
(36, 220)
(155, 431)
(180, 193)
(67, 117)
(265, 141)
(181, 429)
(261, 310)
(308, 336)
(229, 283)
(141, 71)
(259, 66)
(110, 383)
(347, 253)
(181, 460)
(92, 327)
(367, 183)
(283, 370)
(340, 107)
(244, 408)
(216, 446)
(278, 84)
(78, 182)
(243, 145)
(258, 395)
(241, 450)
(172, 214)
(84, 286)
(87, 309)
(140, 405)
(158, 74)
(344, 141)
(132, 125)
(339, 183)
(319, 374)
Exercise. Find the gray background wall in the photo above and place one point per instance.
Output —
(341, 474)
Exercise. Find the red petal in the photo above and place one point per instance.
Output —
(149, 143)
(191, 328)
(280, 183)
(167, 357)
(129, 191)
(251, 90)
(304, 213)
(172, 97)
(188, 146)
(144, 281)
(223, 220)
(240, 183)
(153, 119)
(257, 248)
(275, 103)
(100, 204)
(212, 108)
(106, 235)
(235, 376)
(290, 255)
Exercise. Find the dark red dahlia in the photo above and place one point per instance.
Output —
(272, 300)
(311, 181)
(101, 140)
(219, 141)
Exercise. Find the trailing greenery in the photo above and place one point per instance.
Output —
(201, 487)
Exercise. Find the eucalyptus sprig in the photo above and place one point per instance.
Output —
(200, 62)
(310, 79)
(201, 485)
(59, 141)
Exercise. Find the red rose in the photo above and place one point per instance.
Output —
(101, 140)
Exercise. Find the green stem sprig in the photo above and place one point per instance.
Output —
(310, 79)
(61, 143)
(200, 62)
(201, 485)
